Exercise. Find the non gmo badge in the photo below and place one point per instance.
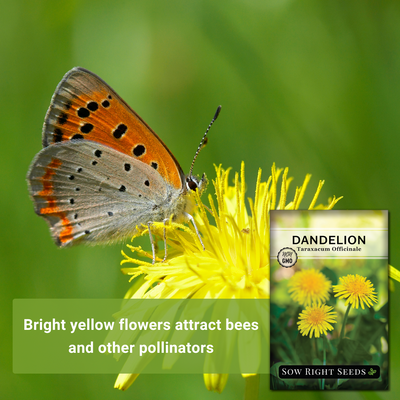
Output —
(287, 257)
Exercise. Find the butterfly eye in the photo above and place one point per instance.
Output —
(191, 184)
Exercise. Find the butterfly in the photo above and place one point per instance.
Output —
(102, 171)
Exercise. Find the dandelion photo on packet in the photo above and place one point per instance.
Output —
(329, 300)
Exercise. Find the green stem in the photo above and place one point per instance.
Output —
(252, 387)
(315, 348)
(357, 322)
(316, 356)
(344, 323)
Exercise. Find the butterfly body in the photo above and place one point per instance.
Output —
(103, 172)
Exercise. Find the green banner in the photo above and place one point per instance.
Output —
(61, 336)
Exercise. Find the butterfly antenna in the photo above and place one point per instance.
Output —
(204, 140)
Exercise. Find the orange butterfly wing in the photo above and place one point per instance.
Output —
(84, 107)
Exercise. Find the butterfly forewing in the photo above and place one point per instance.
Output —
(84, 107)
(91, 192)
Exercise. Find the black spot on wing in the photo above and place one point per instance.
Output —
(58, 135)
(87, 128)
(119, 131)
(63, 118)
(83, 112)
(92, 106)
(139, 150)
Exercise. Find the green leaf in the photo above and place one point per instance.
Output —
(353, 351)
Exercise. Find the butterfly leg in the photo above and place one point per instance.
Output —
(153, 247)
(195, 227)
(165, 239)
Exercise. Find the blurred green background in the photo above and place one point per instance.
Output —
(311, 85)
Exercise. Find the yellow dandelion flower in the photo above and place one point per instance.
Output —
(215, 382)
(316, 319)
(236, 259)
(357, 290)
(309, 286)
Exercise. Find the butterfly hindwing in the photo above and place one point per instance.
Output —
(84, 107)
(91, 192)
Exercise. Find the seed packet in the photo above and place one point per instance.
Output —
(329, 300)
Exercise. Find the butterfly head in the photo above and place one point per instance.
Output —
(195, 183)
